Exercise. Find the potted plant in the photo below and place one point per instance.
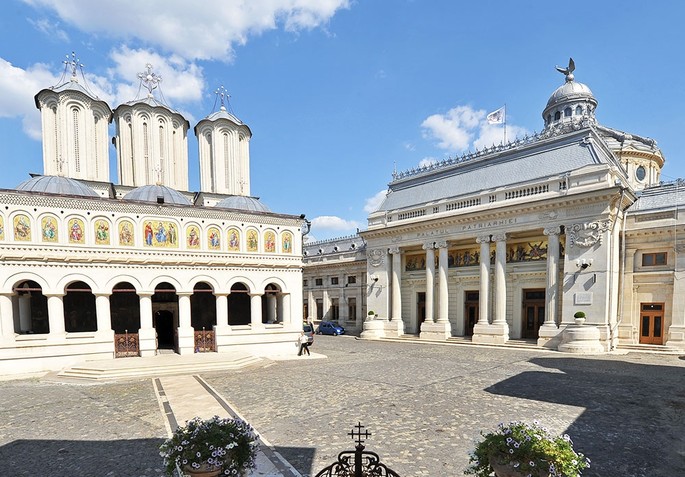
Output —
(211, 447)
(521, 449)
(371, 315)
(579, 317)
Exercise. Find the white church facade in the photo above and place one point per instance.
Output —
(512, 241)
(90, 269)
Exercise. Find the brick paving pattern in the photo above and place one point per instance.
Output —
(423, 404)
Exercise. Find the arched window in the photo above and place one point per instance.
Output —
(557, 116)
(579, 110)
(567, 112)
(77, 159)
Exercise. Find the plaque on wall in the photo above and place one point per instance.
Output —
(583, 298)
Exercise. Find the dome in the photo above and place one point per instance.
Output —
(241, 202)
(57, 185)
(152, 193)
(571, 91)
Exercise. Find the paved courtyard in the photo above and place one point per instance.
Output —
(423, 404)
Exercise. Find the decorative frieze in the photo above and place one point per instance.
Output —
(588, 234)
(376, 257)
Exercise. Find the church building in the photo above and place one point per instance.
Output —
(90, 269)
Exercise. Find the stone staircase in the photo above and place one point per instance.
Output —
(161, 365)
(466, 341)
(650, 348)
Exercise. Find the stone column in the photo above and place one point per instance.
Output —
(500, 315)
(429, 247)
(285, 309)
(443, 302)
(186, 333)
(256, 311)
(484, 293)
(676, 332)
(221, 310)
(6, 317)
(549, 328)
(396, 314)
(103, 314)
(147, 335)
(24, 312)
(311, 306)
(56, 316)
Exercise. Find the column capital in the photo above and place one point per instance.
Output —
(184, 294)
(394, 250)
(553, 230)
(501, 237)
(105, 294)
(428, 245)
(441, 244)
(483, 239)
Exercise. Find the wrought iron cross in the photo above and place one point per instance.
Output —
(223, 96)
(75, 63)
(149, 79)
(357, 436)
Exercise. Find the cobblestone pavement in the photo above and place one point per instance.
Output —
(423, 404)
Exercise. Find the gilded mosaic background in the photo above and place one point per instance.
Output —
(160, 233)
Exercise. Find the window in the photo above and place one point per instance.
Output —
(319, 282)
(335, 309)
(305, 282)
(579, 110)
(567, 112)
(653, 259)
(334, 280)
(557, 116)
(351, 279)
(640, 173)
(352, 308)
(319, 309)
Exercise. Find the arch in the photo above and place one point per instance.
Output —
(579, 110)
(239, 305)
(32, 306)
(112, 282)
(568, 112)
(79, 308)
(124, 308)
(275, 281)
(557, 116)
(211, 281)
(11, 281)
(65, 281)
(202, 307)
(165, 314)
(157, 281)
(245, 281)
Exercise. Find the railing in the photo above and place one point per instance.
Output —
(205, 341)
(358, 463)
(126, 345)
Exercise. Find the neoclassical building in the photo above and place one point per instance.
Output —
(91, 269)
(510, 242)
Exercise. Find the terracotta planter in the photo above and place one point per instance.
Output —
(204, 471)
(504, 469)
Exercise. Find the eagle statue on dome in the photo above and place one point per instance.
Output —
(568, 71)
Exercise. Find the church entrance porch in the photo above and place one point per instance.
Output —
(651, 323)
(164, 326)
(533, 313)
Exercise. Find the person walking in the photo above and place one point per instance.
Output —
(304, 344)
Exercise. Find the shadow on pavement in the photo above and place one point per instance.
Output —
(634, 415)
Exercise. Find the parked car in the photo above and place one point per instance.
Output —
(308, 332)
(329, 328)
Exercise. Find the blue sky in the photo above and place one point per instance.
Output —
(338, 93)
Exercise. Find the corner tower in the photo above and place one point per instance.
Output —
(224, 152)
(75, 126)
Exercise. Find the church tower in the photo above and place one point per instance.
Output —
(151, 140)
(224, 152)
(75, 129)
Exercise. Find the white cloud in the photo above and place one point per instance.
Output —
(332, 223)
(427, 161)
(187, 85)
(50, 29)
(454, 129)
(372, 203)
(208, 31)
(463, 127)
(17, 89)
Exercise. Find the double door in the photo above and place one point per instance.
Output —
(652, 323)
(533, 313)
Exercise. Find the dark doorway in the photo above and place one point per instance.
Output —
(533, 313)
(421, 307)
(164, 325)
(202, 307)
(471, 307)
(32, 306)
(79, 308)
(124, 307)
(239, 305)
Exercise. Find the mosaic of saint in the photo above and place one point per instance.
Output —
(102, 232)
(527, 252)
(415, 262)
(287, 242)
(22, 228)
(76, 231)
(48, 227)
(213, 239)
(193, 237)
(160, 233)
(463, 258)
(234, 240)
(2, 228)
(270, 242)
(252, 241)
(126, 233)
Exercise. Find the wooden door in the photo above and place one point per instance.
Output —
(471, 308)
(533, 313)
(421, 307)
(652, 323)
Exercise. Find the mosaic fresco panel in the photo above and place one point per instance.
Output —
(160, 233)
(2, 228)
(233, 239)
(193, 237)
(252, 241)
(270, 242)
(125, 233)
(76, 231)
(101, 230)
(287, 242)
(213, 238)
(48, 228)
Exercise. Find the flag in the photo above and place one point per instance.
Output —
(496, 117)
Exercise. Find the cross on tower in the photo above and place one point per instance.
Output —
(223, 96)
(149, 79)
(74, 63)
(358, 436)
